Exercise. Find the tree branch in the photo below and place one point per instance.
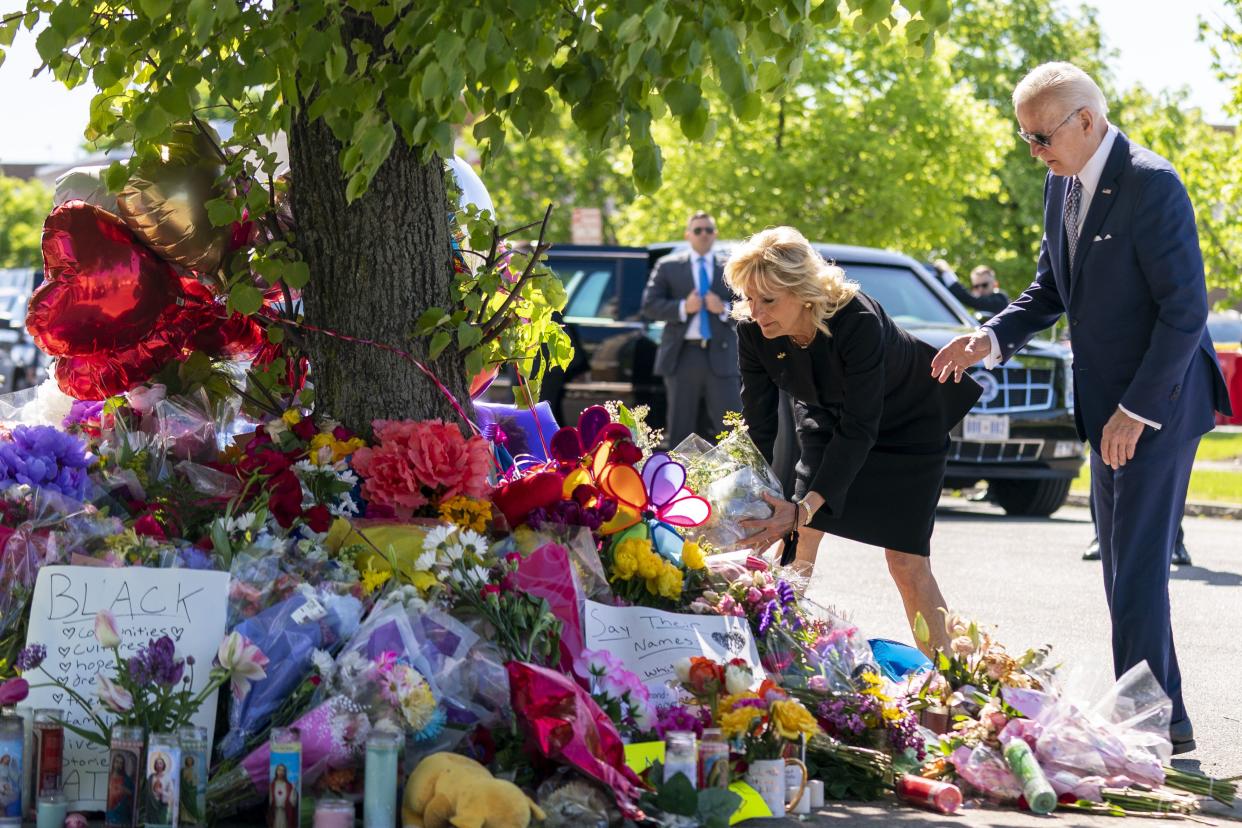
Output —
(514, 292)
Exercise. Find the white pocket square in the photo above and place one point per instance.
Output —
(1102, 238)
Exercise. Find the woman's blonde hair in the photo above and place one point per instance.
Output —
(781, 259)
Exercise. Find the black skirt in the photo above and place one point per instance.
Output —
(892, 501)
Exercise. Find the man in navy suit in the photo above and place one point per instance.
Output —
(698, 349)
(1120, 256)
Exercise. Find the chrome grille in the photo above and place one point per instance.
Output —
(1008, 390)
(971, 451)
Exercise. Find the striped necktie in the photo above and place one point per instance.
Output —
(1073, 201)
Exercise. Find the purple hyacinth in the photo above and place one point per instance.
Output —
(44, 457)
(157, 662)
(679, 717)
(767, 615)
(30, 658)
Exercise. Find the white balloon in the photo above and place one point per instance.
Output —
(472, 189)
(85, 184)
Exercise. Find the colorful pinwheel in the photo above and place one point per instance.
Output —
(653, 502)
(583, 452)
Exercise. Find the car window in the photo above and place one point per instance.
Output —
(902, 294)
(592, 289)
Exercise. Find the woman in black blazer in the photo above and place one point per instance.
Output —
(872, 422)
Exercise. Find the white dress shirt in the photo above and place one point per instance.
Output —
(693, 322)
(1089, 179)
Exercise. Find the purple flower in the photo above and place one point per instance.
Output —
(157, 662)
(83, 412)
(679, 717)
(30, 658)
(44, 457)
(767, 615)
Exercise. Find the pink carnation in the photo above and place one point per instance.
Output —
(414, 463)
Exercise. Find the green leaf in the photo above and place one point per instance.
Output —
(468, 336)
(50, 44)
(334, 67)
(439, 342)
(196, 369)
(221, 211)
(155, 9)
(116, 176)
(428, 321)
(716, 806)
(245, 299)
(297, 275)
(275, 334)
(202, 17)
(357, 185)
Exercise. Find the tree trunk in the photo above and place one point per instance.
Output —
(375, 266)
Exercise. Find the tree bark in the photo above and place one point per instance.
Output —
(375, 266)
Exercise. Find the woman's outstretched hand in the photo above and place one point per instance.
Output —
(767, 531)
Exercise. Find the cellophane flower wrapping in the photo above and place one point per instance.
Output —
(333, 735)
(565, 724)
(733, 477)
(288, 633)
(39, 527)
(548, 572)
(1122, 735)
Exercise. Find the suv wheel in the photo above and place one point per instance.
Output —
(1034, 498)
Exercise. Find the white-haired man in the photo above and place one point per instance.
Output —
(1120, 256)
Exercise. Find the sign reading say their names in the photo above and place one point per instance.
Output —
(650, 642)
(188, 605)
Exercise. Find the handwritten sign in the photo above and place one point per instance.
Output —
(650, 641)
(188, 605)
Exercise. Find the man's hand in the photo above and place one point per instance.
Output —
(1121, 435)
(694, 303)
(953, 359)
(714, 303)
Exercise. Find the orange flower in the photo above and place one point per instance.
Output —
(706, 676)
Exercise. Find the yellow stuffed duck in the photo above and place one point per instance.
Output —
(448, 790)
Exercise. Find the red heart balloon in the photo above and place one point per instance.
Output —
(108, 373)
(104, 289)
(215, 331)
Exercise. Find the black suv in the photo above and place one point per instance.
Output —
(1020, 437)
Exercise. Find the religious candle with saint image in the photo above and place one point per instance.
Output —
(284, 793)
(162, 788)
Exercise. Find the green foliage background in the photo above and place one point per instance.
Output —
(870, 147)
(23, 206)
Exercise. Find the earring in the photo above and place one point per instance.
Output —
(807, 305)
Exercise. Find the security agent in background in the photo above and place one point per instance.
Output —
(984, 295)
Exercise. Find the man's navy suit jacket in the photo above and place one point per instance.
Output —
(1136, 300)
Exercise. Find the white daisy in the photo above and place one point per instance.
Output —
(437, 537)
(474, 542)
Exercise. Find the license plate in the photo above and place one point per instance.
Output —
(986, 428)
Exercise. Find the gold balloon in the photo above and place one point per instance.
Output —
(165, 202)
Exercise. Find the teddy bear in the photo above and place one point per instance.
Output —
(448, 790)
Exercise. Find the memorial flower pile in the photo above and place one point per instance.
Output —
(444, 582)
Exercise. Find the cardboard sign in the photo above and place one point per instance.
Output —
(650, 641)
(188, 605)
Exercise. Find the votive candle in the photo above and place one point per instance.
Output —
(53, 808)
(334, 813)
(379, 807)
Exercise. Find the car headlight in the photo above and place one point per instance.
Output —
(1067, 371)
(1066, 448)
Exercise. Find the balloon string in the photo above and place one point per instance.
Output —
(530, 403)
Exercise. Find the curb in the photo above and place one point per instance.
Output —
(1217, 510)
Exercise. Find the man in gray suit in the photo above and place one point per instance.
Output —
(698, 351)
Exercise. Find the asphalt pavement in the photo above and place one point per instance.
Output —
(1024, 578)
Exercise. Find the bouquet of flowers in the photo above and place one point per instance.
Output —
(618, 692)
(761, 721)
(415, 466)
(152, 688)
(734, 477)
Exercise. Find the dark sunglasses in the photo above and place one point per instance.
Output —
(1045, 141)
(698, 231)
